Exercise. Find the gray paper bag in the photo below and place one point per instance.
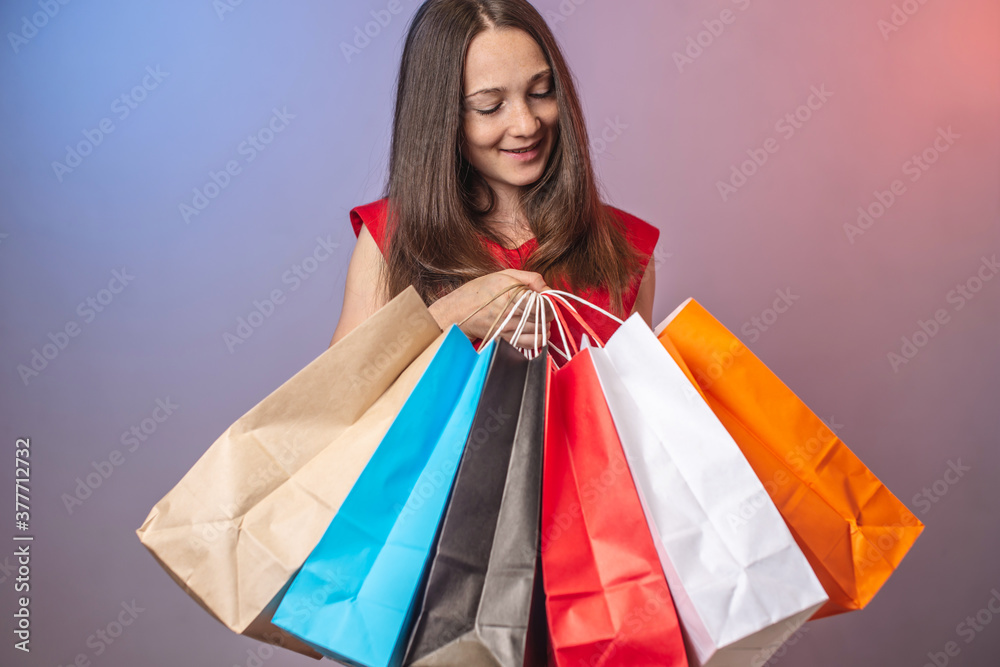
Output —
(483, 603)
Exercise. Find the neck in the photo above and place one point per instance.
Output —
(510, 224)
(506, 212)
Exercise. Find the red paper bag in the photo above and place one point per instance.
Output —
(607, 599)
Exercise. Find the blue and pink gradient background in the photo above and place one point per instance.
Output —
(680, 131)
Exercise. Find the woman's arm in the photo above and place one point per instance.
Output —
(647, 288)
(361, 294)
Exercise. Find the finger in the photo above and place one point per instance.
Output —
(527, 330)
(523, 341)
(527, 319)
(529, 326)
(530, 329)
(533, 280)
(527, 310)
(520, 318)
(516, 302)
(529, 342)
(523, 337)
(548, 311)
(509, 337)
(521, 308)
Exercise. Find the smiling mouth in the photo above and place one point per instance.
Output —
(525, 150)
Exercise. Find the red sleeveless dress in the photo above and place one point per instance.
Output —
(642, 235)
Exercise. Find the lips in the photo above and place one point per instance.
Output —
(526, 149)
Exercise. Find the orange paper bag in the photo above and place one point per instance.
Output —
(852, 529)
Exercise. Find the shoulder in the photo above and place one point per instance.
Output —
(372, 215)
(640, 233)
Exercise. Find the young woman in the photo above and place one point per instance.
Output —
(491, 182)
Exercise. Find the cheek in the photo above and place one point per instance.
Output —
(480, 136)
(551, 117)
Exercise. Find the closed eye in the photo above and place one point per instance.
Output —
(538, 96)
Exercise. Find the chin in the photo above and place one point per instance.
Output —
(524, 178)
(526, 175)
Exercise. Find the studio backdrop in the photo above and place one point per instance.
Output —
(175, 182)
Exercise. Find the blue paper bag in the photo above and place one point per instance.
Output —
(353, 598)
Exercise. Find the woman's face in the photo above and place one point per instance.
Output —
(509, 104)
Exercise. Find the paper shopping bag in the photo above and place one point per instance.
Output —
(741, 584)
(483, 603)
(354, 597)
(607, 600)
(239, 524)
(853, 530)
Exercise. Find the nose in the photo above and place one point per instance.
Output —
(524, 121)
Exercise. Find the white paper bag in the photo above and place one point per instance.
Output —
(740, 583)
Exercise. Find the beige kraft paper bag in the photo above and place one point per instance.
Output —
(242, 521)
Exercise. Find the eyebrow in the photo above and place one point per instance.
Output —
(503, 89)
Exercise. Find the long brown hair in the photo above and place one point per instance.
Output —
(434, 226)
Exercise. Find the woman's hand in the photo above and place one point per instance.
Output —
(458, 304)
